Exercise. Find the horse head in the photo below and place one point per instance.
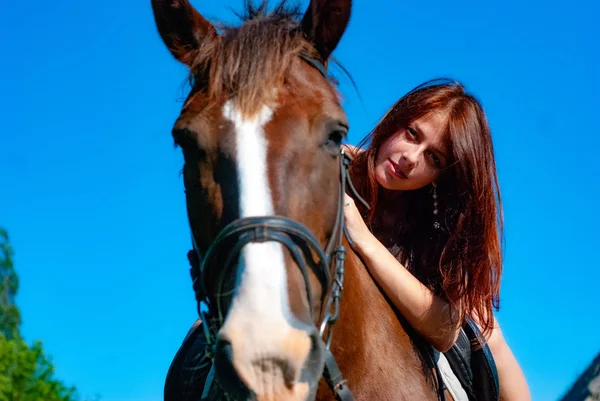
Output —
(260, 133)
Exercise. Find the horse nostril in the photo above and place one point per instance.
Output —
(225, 372)
(223, 351)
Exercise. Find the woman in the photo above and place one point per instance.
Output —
(432, 239)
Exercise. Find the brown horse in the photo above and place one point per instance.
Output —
(261, 135)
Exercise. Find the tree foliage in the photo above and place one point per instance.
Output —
(26, 372)
(10, 318)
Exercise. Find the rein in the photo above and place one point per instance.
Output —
(302, 244)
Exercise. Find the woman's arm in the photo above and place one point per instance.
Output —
(429, 314)
(513, 385)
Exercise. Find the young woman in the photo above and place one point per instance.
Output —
(432, 239)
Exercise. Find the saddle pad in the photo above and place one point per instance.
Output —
(452, 383)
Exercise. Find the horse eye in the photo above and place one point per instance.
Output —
(337, 137)
(337, 133)
(187, 141)
(183, 138)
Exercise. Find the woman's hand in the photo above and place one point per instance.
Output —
(357, 229)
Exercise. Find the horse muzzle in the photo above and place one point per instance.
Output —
(268, 362)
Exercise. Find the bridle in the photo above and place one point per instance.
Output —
(305, 250)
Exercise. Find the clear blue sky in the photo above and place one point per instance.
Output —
(92, 196)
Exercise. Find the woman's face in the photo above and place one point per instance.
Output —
(413, 157)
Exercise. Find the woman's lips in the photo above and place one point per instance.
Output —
(396, 170)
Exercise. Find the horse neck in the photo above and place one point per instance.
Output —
(371, 347)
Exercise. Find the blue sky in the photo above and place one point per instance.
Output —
(93, 200)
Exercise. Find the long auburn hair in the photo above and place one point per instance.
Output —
(462, 259)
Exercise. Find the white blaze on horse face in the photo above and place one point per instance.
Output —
(260, 324)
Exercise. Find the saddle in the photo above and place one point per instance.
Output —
(473, 365)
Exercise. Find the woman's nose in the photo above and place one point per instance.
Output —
(411, 157)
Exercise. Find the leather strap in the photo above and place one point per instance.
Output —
(335, 379)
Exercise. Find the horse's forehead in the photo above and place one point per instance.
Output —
(215, 118)
(306, 96)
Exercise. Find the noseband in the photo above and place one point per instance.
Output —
(306, 251)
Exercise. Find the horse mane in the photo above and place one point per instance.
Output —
(247, 61)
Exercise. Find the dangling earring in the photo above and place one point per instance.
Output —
(436, 223)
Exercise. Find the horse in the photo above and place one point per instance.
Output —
(261, 133)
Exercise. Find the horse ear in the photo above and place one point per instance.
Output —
(181, 28)
(325, 22)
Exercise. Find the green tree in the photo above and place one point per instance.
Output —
(10, 318)
(26, 373)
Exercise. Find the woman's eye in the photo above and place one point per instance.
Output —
(412, 132)
(435, 159)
